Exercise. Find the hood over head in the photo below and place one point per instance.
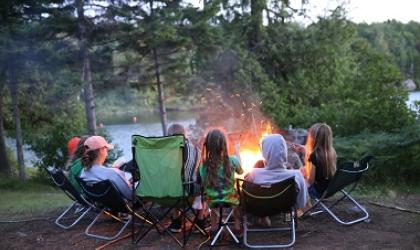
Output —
(274, 151)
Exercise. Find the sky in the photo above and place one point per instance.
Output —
(371, 10)
(363, 10)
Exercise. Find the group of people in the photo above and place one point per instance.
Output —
(212, 167)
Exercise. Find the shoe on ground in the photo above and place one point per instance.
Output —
(176, 225)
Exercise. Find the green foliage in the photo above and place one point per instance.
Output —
(326, 73)
(50, 144)
(397, 154)
(401, 41)
(123, 100)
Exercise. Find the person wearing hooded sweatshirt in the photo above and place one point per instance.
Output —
(274, 150)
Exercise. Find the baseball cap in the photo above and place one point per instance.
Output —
(96, 142)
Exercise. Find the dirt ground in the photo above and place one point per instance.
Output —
(388, 228)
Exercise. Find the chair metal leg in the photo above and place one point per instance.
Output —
(362, 210)
(224, 226)
(292, 230)
(97, 236)
(85, 210)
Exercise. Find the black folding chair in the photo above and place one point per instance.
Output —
(80, 205)
(105, 194)
(268, 200)
(347, 177)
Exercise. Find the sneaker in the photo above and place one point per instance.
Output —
(204, 224)
(176, 225)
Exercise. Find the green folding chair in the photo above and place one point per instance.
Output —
(160, 162)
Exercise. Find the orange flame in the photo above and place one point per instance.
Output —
(308, 149)
(250, 152)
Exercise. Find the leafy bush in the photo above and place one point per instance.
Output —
(397, 154)
(51, 146)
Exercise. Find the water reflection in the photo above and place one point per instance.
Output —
(121, 133)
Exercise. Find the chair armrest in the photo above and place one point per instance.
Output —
(355, 171)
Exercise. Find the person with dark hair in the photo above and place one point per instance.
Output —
(96, 151)
(217, 174)
(191, 154)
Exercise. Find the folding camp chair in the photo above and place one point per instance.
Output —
(268, 200)
(347, 177)
(105, 194)
(160, 162)
(80, 204)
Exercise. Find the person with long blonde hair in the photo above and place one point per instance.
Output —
(320, 158)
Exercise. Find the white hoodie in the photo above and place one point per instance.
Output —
(274, 151)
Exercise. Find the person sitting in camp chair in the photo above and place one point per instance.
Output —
(274, 150)
(96, 151)
(71, 151)
(76, 165)
(217, 174)
(320, 159)
(192, 161)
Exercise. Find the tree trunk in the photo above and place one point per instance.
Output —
(4, 162)
(87, 74)
(89, 98)
(16, 118)
(256, 33)
(161, 95)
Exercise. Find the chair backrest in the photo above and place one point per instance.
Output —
(268, 200)
(61, 181)
(160, 162)
(105, 194)
(347, 173)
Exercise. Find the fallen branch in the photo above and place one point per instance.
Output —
(394, 207)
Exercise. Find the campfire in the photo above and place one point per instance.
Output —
(250, 151)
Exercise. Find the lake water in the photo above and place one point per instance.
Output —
(121, 133)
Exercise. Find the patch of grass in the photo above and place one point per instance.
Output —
(27, 197)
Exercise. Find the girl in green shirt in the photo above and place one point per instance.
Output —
(217, 172)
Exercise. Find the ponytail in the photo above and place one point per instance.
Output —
(89, 157)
